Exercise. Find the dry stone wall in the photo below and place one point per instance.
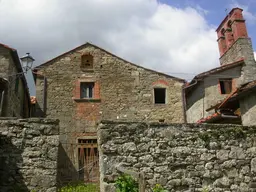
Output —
(180, 157)
(28, 155)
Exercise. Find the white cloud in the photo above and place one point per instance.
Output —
(249, 16)
(146, 32)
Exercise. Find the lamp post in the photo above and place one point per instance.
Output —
(27, 62)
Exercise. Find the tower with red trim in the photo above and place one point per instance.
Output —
(235, 44)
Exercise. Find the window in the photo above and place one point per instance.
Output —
(225, 86)
(160, 95)
(86, 90)
(87, 61)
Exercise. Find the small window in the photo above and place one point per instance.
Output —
(87, 61)
(86, 90)
(225, 86)
(160, 95)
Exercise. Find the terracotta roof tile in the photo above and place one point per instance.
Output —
(210, 117)
(221, 68)
(7, 47)
(244, 88)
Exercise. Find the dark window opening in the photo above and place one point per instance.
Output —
(160, 95)
(86, 90)
(225, 86)
(87, 61)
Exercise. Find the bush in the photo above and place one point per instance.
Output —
(125, 183)
(158, 188)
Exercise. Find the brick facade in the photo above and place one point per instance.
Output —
(231, 29)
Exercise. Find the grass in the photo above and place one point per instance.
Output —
(81, 187)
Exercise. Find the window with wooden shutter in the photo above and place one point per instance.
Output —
(225, 86)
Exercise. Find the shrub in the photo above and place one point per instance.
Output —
(158, 188)
(125, 183)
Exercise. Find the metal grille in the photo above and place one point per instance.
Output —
(88, 160)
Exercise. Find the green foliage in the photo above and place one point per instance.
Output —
(80, 187)
(158, 188)
(125, 183)
(205, 189)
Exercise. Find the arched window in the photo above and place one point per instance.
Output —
(87, 61)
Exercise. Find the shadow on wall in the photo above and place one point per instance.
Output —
(67, 173)
(10, 158)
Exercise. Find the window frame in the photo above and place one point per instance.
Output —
(223, 86)
(90, 86)
(165, 96)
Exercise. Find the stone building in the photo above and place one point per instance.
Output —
(89, 84)
(218, 95)
(14, 93)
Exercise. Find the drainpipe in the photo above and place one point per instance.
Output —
(44, 97)
(184, 99)
(2, 103)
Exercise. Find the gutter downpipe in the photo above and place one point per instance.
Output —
(44, 97)
(184, 101)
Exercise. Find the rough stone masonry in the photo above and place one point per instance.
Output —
(180, 157)
(28, 155)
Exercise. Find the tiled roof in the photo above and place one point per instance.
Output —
(234, 95)
(221, 68)
(208, 118)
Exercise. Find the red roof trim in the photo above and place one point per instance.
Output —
(203, 120)
(221, 68)
(7, 47)
(233, 95)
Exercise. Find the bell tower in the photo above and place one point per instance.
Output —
(235, 44)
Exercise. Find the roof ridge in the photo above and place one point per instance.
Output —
(87, 43)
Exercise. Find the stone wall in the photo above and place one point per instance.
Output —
(28, 155)
(180, 157)
(242, 48)
(16, 102)
(122, 91)
(248, 109)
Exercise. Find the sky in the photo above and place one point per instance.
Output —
(176, 37)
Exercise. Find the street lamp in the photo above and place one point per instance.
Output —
(27, 62)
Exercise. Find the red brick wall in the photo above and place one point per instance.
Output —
(232, 28)
(87, 109)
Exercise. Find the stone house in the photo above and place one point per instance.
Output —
(14, 93)
(88, 84)
(224, 94)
